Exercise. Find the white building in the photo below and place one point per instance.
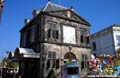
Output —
(106, 41)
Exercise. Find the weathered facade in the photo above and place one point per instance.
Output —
(53, 33)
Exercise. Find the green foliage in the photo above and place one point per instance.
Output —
(8, 64)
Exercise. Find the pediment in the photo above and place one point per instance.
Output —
(69, 14)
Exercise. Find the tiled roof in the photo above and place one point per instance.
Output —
(53, 7)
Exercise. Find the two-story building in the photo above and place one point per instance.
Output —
(106, 41)
(49, 38)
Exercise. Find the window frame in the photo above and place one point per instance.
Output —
(94, 46)
(53, 31)
(118, 40)
(84, 62)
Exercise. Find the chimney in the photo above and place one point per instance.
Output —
(26, 21)
(35, 13)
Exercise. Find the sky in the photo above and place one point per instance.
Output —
(99, 13)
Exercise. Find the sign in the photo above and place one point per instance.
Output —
(69, 35)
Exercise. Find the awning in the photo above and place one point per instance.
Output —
(72, 65)
(21, 53)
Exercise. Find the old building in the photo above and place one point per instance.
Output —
(106, 41)
(47, 40)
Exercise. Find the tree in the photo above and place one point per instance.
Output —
(8, 64)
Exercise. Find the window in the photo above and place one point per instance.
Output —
(81, 38)
(32, 33)
(118, 40)
(55, 34)
(37, 30)
(72, 70)
(48, 64)
(52, 58)
(94, 46)
(57, 64)
(51, 55)
(24, 39)
(84, 62)
(49, 33)
(28, 36)
(53, 31)
(82, 35)
(87, 39)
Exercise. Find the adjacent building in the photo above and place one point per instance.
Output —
(106, 41)
(54, 35)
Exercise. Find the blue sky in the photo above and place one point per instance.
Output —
(99, 13)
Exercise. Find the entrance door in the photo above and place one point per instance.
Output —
(31, 68)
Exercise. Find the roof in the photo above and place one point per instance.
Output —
(25, 53)
(53, 7)
(109, 27)
(11, 55)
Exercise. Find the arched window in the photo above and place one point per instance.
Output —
(70, 56)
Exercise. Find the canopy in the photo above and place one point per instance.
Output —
(21, 53)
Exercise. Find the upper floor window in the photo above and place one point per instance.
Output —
(37, 30)
(32, 34)
(82, 35)
(118, 40)
(94, 46)
(28, 36)
(81, 39)
(23, 39)
(53, 31)
(87, 40)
